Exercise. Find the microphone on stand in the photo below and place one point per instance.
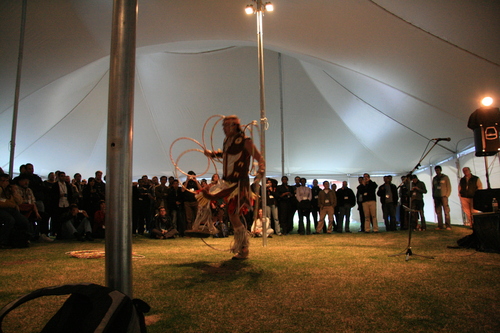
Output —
(442, 139)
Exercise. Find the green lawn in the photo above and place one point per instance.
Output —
(317, 283)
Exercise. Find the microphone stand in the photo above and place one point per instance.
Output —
(408, 253)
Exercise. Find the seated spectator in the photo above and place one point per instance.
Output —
(29, 209)
(258, 226)
(75, 223)
(162, 227)
(14, 227)
(99, 228)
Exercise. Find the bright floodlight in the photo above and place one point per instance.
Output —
(269, 7)
(487, 101)
(249, 9)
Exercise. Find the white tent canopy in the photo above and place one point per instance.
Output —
(361, 86)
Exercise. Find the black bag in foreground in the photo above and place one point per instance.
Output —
(90, 308)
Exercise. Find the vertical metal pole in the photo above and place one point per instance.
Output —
(282, 118)
(16, 95)
(263, 119)
(119, 147)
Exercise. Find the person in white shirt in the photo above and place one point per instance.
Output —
(258, 226)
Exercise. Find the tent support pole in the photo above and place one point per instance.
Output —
(263, 118)
(18, 86)
(280, 67)
(119, 147)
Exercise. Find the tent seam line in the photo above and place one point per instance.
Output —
(434, 35)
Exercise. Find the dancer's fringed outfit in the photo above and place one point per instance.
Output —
(235, 188)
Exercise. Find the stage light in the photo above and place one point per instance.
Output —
(269, 7)
(249, 9)
(487, 101)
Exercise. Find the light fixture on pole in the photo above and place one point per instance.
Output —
(259, 10)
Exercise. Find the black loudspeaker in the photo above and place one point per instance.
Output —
(487, 231)
(483, 198)
(485, 122)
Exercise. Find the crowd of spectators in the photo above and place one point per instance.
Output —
(64, 207)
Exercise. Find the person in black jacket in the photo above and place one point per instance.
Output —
(162, 227)
(345, 201)
(62, 194)
(175, 206)
(388, 193)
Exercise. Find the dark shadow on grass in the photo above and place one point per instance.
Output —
(225, 271)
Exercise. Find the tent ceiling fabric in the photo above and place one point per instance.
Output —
(365, 84)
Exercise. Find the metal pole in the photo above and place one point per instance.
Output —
(16, 94)
(263, 119)
(280, 64)
(119, 147)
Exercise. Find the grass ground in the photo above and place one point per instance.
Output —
(317, 283)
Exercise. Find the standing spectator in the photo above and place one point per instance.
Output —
(467, 187)
(404, 201)
(36, 186)
(78, 189)
(315, 189)
(327, 200)
(284, 193)
(161, 191)
(303, 195)
(271, 202)
(144, 204)
(91, 197)
(369, 203)
(62, 194)
(345, 201)
(175, 206)
(295, 203)
(100, 185)
(48, 199)
(388, 193)
(359, 200)
(190, 203)
(441, 190)
(417, 192)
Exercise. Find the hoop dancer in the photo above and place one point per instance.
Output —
(236, 157)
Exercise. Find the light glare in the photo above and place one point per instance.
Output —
(269, 7)
(249, 9)
(487, 101)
